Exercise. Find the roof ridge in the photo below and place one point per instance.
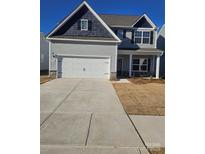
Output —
(119, 14)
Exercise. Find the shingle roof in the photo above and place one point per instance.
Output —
(142, 51)
(119, 20)
(84, 37)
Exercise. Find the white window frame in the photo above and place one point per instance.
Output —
(146, 37)
(142, 36)
(137, 36)
(140, 65)
(81, 23)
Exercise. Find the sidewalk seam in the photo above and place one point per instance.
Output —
(138, 133)
(86, 141)
(61, 103)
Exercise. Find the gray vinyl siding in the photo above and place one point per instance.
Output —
(161, 39)
(161, 45)
(89, 49)
(44, 53)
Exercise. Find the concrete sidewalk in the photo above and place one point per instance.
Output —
(151, 129)
(85, 116)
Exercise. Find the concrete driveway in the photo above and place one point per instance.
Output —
(85, 116)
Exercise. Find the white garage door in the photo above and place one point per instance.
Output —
(83, 67)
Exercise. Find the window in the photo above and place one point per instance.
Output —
(142, 37)
(84, 24)
(140, 65)
(138, 36)
(146, 37)
(120, 33)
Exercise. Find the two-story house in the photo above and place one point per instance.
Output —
(90, 45)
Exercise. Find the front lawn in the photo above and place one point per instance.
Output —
(142, 96)
(45, 78)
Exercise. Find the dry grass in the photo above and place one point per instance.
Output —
(45, 78)
(157, 150)
(142, 97)
(145, 81)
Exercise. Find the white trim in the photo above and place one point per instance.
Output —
(49, 60)
(157, 67)
(148, 19)
(81, 40)
(141, 28)
(54, 30)
(142, 36)
(56, 67)
(120, 26)
(102, 22)
(86, 56)
(82, 26)
(115, 59)
(156, 37)
(94, 13)
(140, 52)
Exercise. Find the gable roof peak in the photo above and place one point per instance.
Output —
(147, 18)
(93, 12)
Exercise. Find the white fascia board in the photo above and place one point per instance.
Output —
(102, 22)
(148, 19)
(82, 40)
(87, 56)
(65, 19)
(94, 13)
(119, 26)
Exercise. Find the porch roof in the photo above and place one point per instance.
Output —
(141, 51)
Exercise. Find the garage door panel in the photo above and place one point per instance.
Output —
(84, 67)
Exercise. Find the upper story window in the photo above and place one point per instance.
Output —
(121, 33)
(142, 37)
(146, 37)
(84, 24)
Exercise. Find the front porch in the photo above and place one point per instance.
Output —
(138, 64)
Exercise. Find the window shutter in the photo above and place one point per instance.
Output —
(124, 33)
(115, 31)
(90, 25)
(151, 37)
(132, 41)
(79, 24)
(149, 64)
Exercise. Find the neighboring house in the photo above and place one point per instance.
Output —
(161, 46)
(90, 45)
(44, 53)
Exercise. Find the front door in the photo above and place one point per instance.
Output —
(119, 67)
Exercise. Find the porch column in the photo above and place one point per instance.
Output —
(157, 67)
(130, 66)
(153, 65)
